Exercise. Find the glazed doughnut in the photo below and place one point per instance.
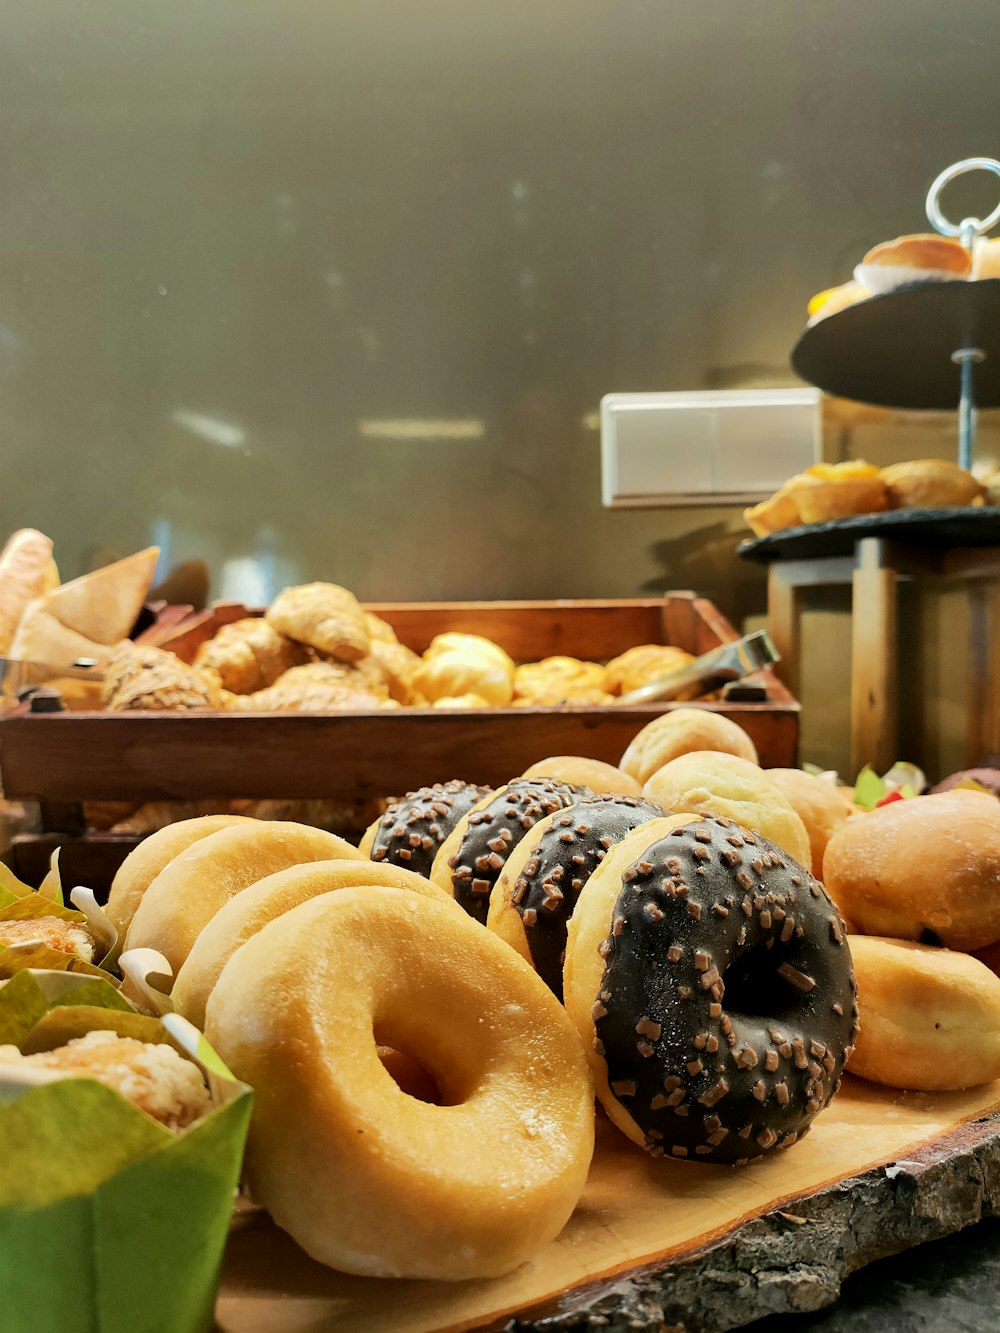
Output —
(188, 892)
(470, 859)
(930, 1018)
(368, 1179)
(710, 980)
(411, 830)
(153, 854)
(923, 869)
(680, 731)
(602, 779)
(534, 897)
(711, 782)
(253, 908)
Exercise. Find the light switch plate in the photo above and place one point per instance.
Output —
(716, 446)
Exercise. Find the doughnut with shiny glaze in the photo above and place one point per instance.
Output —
(365, 1177)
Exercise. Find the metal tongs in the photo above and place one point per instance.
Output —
(729, 662)
(18, 677)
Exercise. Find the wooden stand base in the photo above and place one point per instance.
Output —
(673, 1247)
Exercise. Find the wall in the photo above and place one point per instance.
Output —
(245, 246)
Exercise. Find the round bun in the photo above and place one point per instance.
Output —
(252, 909)
(534, 897)
(153, 854)
(922, 869)
(930, 483)
(923, 251)
(681, 731)
(930, 1018)
(710, 981)
(822, 807)
(410, 830)
(470, 859)
(602, 779)
(711, 782)
(188, 892)
(364, 1177)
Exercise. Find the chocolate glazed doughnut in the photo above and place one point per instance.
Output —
(411, 830)
(474, 854)
(724, 1010)
(535, 895)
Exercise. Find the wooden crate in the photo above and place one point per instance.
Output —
(74, 756)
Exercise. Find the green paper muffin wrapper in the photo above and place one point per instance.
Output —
(109, 1222)
(19, 902)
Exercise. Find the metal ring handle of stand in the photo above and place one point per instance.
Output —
(968, 228)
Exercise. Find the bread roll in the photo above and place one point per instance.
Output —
(461, 664)
(921, 869)
(710, 782)
(930, 483)
(930, 1018)
(643, 664)
(822, 807)
(681, 731)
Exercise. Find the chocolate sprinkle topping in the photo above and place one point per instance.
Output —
(513, 812)
(767, 999)
(413, 828)
(565, 857)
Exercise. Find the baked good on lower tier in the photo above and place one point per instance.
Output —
(533, 900)
(412, 829)
(469, 861)
(923, 869)
(369, 1179)
(710, 980)
(822, 807)
(930, 1018)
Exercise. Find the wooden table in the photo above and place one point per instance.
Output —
(870, 553)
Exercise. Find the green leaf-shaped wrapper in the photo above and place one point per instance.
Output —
(108, 1221)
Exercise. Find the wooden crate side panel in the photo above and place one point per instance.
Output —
(74, 756)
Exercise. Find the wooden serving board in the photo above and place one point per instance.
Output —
(671, 1246)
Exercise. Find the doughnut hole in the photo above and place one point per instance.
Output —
(366, 1176)
(756, 988)
(409, 1074)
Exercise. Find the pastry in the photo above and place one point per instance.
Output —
(922, 869)
(534, 898)
(364, 1177)
(151, 1075)
(936, 254)
(822, 807)
(930, 483)
(559, 698)
(104, 605)
(398, 664)
(601, 778)
(457, 664)
(318, 687)
(243, 916)
(840, 490)
(710, 981)
(469, 861)
(142, 677)
(249, 655)
(191, 888)
(642, 665)
(930, 1018)
(70, 937)
(711, 782)
(563, 676)
(27, 571)
(412, 829)
(153, 854)
(680, 731)
(325, 617)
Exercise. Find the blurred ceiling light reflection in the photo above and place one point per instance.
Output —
(419, 428)
(591, 421)
(212, 429)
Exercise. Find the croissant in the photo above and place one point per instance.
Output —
(250, 654)
(323, 616)
(140, 676)
(317, 688)
(557, 675)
